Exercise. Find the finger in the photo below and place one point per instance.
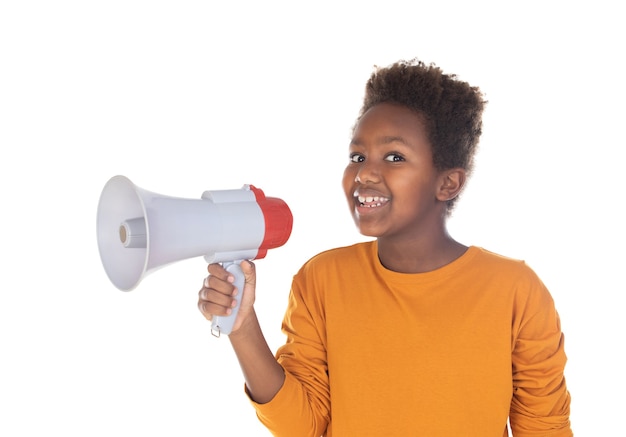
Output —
(215, 305)
(222, 286)
(218, 271)
(216, 297)
(203, 310)
(210, 309)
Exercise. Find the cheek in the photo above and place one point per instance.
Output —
(348, 181)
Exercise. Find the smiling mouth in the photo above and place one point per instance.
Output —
(372, 201)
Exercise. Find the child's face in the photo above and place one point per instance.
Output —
(390, 182)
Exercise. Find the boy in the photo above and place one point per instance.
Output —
(412, 333)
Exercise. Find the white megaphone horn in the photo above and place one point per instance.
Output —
(140, 231)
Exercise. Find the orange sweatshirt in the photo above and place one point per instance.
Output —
(453, 352)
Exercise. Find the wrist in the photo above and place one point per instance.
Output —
(249, 326)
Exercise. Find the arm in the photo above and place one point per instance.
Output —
(291, 395)
(541, 401)
(263, 375)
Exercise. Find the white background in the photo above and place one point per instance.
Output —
(188, 96)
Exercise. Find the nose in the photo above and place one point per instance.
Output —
(367, 174)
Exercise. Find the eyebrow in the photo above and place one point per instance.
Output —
(387, 139)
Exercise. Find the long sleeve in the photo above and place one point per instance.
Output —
(541, 402)
(302, 406)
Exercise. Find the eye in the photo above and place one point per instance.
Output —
(394, 157)
(356, 157)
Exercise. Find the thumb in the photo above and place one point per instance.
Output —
(249, 272)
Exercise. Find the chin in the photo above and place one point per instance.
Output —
(367, 231)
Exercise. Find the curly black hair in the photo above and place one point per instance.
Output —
(451, 109)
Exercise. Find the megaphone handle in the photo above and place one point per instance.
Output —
(224, 324)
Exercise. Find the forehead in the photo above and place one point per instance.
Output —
(386, 121)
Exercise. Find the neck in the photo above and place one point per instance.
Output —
(419, 255)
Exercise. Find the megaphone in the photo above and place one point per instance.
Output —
(140, 231)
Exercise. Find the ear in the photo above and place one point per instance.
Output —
(451, 183)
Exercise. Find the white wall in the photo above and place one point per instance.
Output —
(183, 96)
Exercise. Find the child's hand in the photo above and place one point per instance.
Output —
(217, 295)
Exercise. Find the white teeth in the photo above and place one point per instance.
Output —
(371, 201)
